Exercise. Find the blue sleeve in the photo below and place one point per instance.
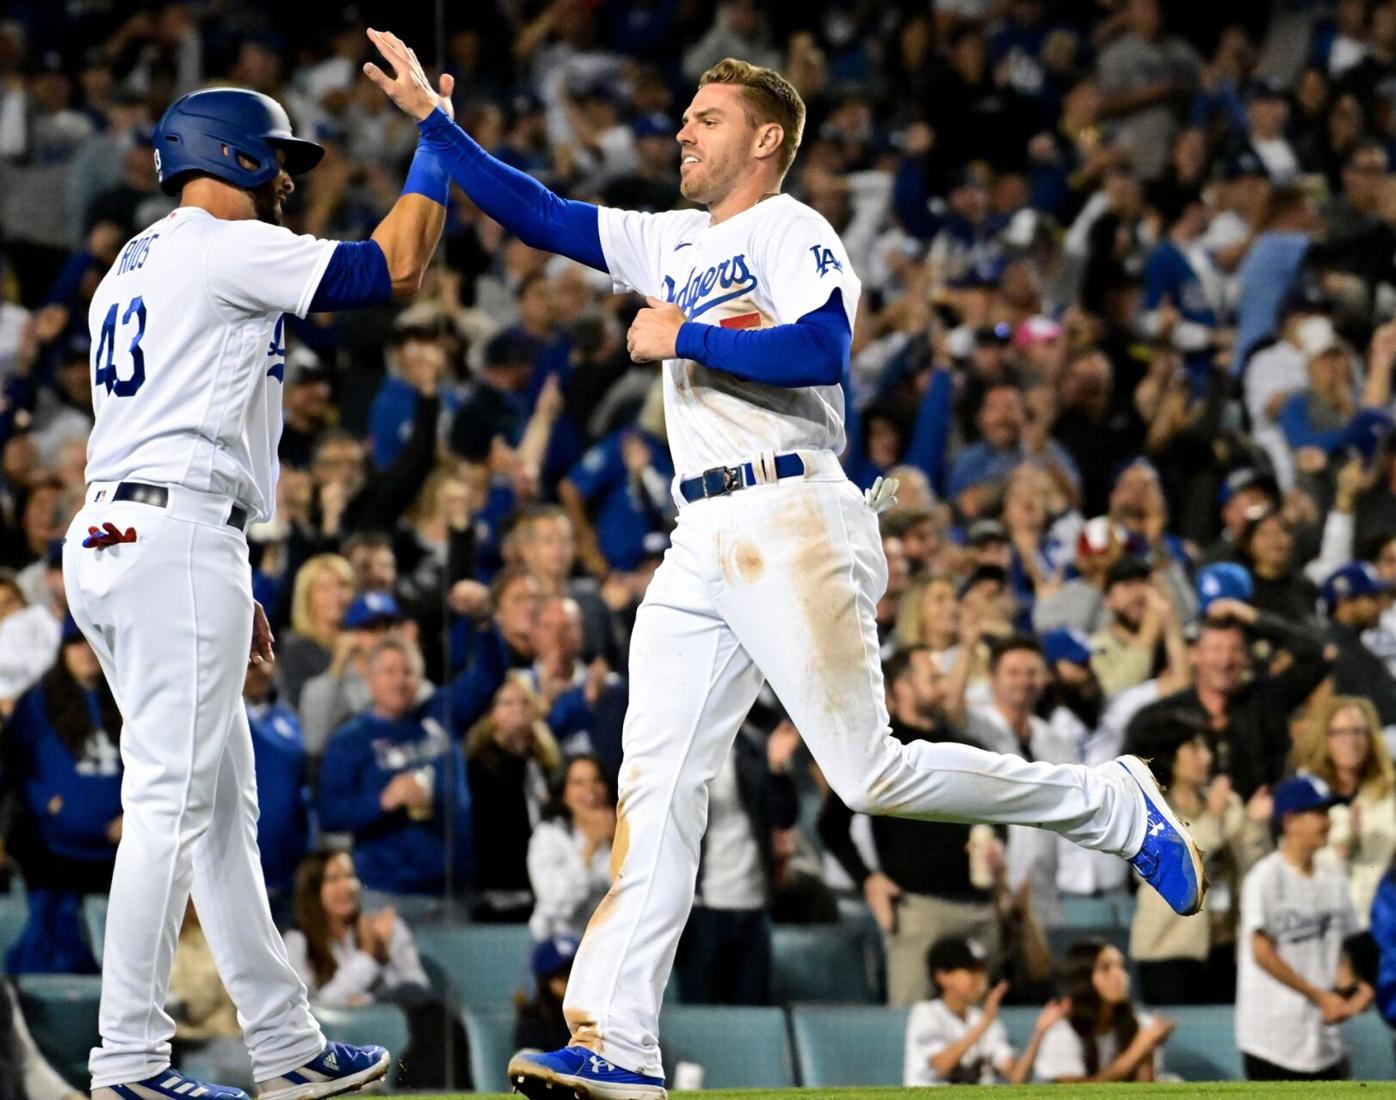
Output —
(1158, 279)
(811, 352)
(516, 201)
(600, 468)
(1383, 928)
(1294, 422)
(357, 275)
(932, 431)
(348, 802)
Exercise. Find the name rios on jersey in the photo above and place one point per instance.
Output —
(724, 281)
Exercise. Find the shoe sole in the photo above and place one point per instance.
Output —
(318, 1089)
(537, 1083)
(1143, 775)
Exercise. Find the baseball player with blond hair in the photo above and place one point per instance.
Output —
(776, 565)
(188, 358)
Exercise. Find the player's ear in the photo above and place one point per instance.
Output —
(769, 138)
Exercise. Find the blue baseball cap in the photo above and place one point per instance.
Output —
(1364, 433)
(1066, 644)
(1301, 794)
(654, 124)
(1247, 477)
(1350, 582)
(71, 631)
(1223, 580)
(554, 955)
(372, 607)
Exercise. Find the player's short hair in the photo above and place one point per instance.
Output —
(768, 97)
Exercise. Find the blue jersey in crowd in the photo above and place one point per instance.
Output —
(395, 852)
(72, 800)
(283, 825)
(624, 512)
(1169, 276)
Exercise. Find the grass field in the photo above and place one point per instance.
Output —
(1346, 1090)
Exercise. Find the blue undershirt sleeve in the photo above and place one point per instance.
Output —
(811, 352)
(515, 200)
(932, 431)
(357, 275)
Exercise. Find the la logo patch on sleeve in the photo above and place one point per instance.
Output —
(824, 259)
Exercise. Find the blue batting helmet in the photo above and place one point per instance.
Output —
(211, 131)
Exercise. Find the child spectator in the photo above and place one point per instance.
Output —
(957, 1039)
(569, 854)
(1294, 984)
(540, 1024)
(1102, 1037)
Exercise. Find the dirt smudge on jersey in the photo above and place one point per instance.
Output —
(824, 598)
(744, 565)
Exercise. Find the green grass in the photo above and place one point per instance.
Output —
(1249, 1089)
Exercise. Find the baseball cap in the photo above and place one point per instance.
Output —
(985, 530)
(554, 955)
(1364, 433)
(509, 348)
(1305, 298)
(372, 607)
(303, 366)
(1301, 794)
(1247, 477)
(992, 573)
(1265, 89)
(654, 124)
(1066, 644)
(954, 953)
(1350, 582)
(1223, 580)
(71, 631)
(1131, 567)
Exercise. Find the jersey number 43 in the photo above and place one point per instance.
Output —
(105, 360)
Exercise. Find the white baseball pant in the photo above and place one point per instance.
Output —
(778, 581)
(170, 619)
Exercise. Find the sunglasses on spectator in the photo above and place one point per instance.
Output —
(1350, 731)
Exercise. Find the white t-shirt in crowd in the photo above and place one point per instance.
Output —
(932, 1026)
(1308, 917)
(769, 265)
(1063, 1053)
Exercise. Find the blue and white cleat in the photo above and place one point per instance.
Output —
(337, 1069)
(579, 1072)
(1170, 861)
(170, 1085)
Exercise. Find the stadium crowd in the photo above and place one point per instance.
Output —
(1126, 340)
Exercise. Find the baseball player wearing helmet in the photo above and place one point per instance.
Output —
(776, 565)
(188, 359)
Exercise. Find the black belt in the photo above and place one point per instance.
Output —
(157, 496)
(721, 480)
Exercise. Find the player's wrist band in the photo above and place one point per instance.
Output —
(427, 176)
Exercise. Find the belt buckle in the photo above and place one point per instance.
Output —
(720, 480)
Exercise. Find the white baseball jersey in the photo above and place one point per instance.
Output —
(931, 1026)
(188, 354)
(1308, 917)
(769, 265)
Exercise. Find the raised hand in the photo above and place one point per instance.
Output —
(408, 87)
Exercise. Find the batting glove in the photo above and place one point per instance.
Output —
(882, 495)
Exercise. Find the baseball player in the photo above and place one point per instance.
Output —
(776, 564)
(188, 361)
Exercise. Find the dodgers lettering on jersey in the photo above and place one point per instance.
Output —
(188, 354)
(769, 265)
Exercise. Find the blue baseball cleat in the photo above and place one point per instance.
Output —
(1170, 861)
(337, 1069)
(170, 1085)
(579, 1072)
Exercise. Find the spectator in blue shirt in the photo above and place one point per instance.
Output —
(1177, 306)
(1271, 268)
(980, 470)
(394, 778)
(419, 358)
(63, 770)
(619, 493)
(279, 756)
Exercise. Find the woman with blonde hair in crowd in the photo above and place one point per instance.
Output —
(511, 758)
(323, 590)
(1342, 745)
